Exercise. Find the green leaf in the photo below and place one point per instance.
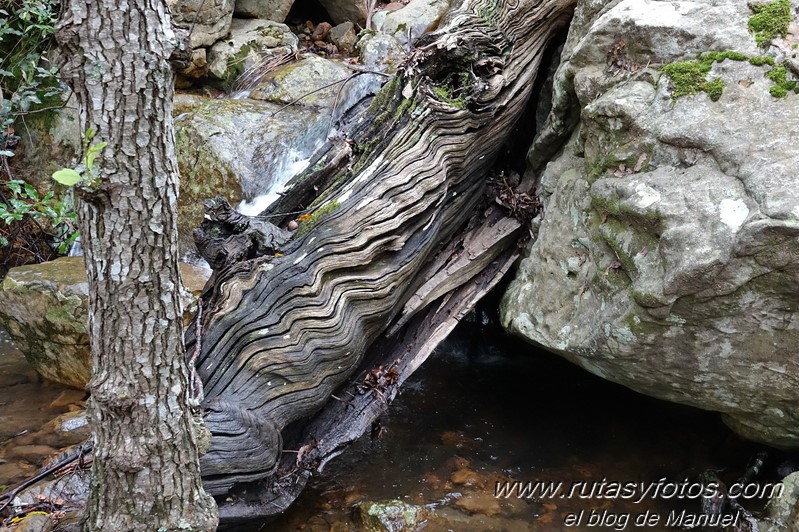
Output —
(6, 153)
(92, 152)
(14, 186)
(67, 176)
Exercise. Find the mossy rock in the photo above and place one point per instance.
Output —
(44, 307)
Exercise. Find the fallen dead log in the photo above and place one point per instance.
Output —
(282, 331)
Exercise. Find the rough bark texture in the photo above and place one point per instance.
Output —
(283, 332)
(145, 474)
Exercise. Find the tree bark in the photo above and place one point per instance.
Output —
(145, 474)
(282, 333)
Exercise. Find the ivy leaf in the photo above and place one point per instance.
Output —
(67, 176)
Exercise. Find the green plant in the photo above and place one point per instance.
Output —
(28, 82)
(50, 214)
(91, 174)
(770, 20)
(779, 75)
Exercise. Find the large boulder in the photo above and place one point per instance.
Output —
(344, 10)
(668, 256)
(265, 9)
(251, 41)
(208, 20)
(413, 20)
(44, 307)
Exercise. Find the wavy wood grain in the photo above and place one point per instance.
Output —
(281, 334)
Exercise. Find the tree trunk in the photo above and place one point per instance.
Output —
(283, 332)
(145, 474)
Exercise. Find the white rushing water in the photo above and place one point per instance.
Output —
(257, 205)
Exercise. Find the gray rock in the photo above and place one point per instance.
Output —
(380, 51)
(44, 308)
(782, 510)
(265, 9)
(250, 42)
(345, 10)
(344, 36)
(208, 20)
(312, 81)
(72, 428)
(668, 258)
(414, 20)
(71, 491)
(199, 64)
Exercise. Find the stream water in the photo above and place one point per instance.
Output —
(487, 408)
(484, 408)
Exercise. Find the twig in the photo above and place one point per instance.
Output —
(323, 87)
(9, 495)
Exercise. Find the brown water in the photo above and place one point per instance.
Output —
(488, 408)
(27, 404)
(484, 408)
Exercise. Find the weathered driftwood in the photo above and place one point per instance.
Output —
(282, 333)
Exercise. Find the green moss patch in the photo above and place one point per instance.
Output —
(308, 224)
(690, 77)
(770, 20)
(779, 75)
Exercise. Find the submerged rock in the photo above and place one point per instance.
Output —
(391, 516)
(668, 257)
(44, 308)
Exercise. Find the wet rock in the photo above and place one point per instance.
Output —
(479, 503)
(33, 522)
(68, 491)
(198, 67)
(460, 440)
(391, 516)
(30, 453)
(312, 81)
(668, 258)
(229, 147)
(44, 309)
(250, 42)
(414, 20)
(344, 36)
(345, 10)
(68, 429)
(209, 20)
(465, 477)
(67, 398)
(264, 9)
